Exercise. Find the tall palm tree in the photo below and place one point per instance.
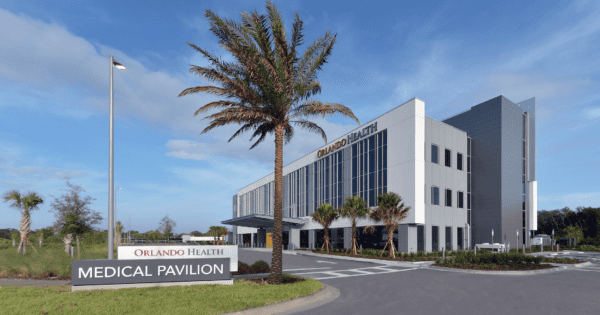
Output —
(267, 89)
(325, 215)
(26, 204)
(391, 214)
(354, 208)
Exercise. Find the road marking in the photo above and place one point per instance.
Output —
(306, 269)
(592, 267)
(326, 262)
(361, 271)
(346, 276)
(581, 252)
(553, 254)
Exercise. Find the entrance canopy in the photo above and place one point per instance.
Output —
(262, 221)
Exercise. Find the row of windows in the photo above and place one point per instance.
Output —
(369, 168)
(448, 243)
(448, 158)
(435, 198)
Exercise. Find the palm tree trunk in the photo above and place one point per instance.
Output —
(391, 252)
(20, 245)
(354, 238)
(326, 232)
(276, 260)
(25, 245)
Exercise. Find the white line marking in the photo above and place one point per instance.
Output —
(345, 276)
(361, 271)
(581, 252)
(592, 267)
(553, 254)
(306, 269)
(326, 262)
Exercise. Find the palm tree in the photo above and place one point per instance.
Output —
(267, 89)
(391, 214)
(26, 204)
(325, 215)
(223, 231)
(214, 232)
(354, 208)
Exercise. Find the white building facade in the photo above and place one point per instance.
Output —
(427, 162)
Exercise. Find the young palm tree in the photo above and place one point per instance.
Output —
(26, 204)
(223, 232)
(391, 214)
(354, 208)
(267, 88)
(325, 215)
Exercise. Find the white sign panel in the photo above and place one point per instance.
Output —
(181, 251)
(537, 241)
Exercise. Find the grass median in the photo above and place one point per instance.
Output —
(196, 299)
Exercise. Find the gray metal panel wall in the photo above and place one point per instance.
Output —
(512, 172)
(483, 124)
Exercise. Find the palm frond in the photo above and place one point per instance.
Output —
(312, 127)
(217, 104)
(315, 107)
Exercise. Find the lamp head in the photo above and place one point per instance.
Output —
(119, 65)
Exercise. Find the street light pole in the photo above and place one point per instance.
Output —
(111, 159)
(115, 210)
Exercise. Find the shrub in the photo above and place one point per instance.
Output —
(537, 260)
(438, 260)
(243, 268)
(420, 253)
(261, 266)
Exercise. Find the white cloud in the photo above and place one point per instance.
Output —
(593, 113)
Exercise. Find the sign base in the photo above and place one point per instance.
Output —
(146, 285)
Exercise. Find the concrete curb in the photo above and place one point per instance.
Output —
(560, 267)
(268, 250)
(422, 264)
(321, 297)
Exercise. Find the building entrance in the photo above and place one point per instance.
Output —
(270, 240)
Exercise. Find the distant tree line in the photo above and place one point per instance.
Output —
(583, 224)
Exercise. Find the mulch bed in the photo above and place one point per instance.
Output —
(287, 280)
(379, 257)
(498, 267)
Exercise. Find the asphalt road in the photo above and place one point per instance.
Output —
(428, 291)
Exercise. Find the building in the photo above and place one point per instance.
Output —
(461, 177)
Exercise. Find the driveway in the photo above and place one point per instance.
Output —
(428, 291)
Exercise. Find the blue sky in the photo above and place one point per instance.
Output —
(54, 94)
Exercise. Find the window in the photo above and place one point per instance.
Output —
(469, 217)
(468, 201)
(448, 198)
(434, 238)
(460, 199)
(448, 238)
(468, 164)
(459, 161)
(523, 218)
(447, 158)
(434, 153)
(459, 238)
(435, 195)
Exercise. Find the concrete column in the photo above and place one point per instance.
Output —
(311, 238)
(347, 237)
(251, 239)
(407, 238)
(294, 238)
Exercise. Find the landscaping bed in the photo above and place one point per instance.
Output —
(512, 261)
(375, 254)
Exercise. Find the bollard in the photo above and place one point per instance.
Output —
(475, 252)
(443, 253)
(282, 247)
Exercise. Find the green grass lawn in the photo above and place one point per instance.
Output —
(197, 299)
(50, 260)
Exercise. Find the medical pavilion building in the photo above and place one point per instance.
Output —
(461, 178)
